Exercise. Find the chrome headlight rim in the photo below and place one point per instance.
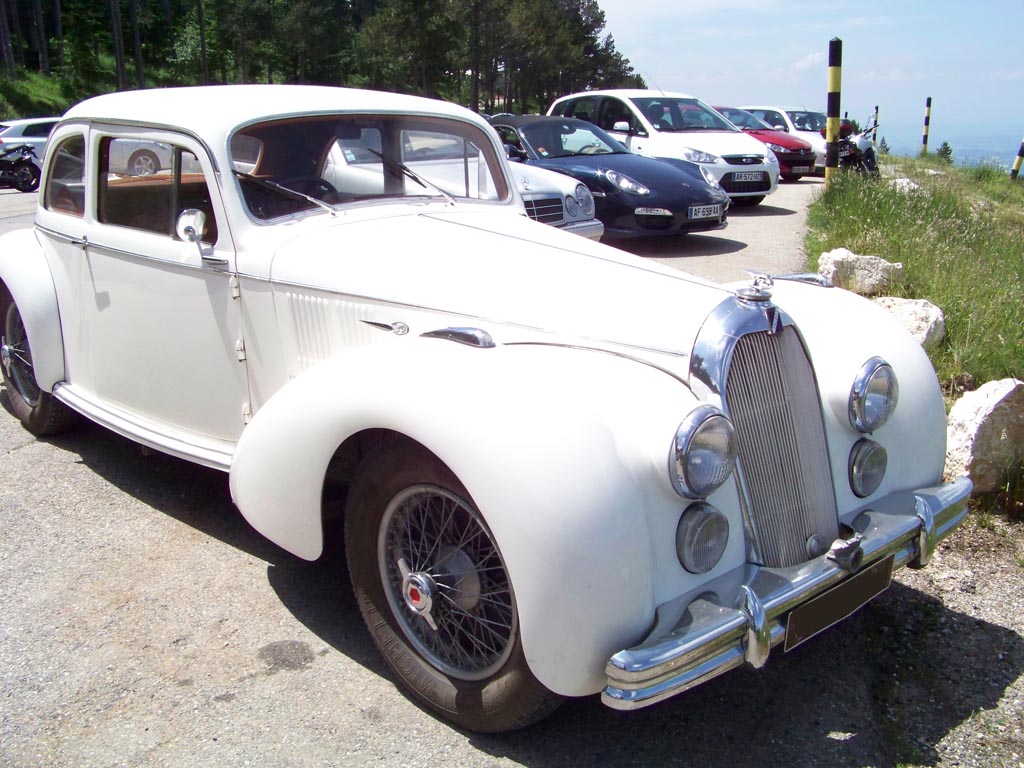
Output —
(863, 408)
(572, 207)
(702, 535)
(867, 466)
(682, 470)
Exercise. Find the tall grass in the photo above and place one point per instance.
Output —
(960, 237)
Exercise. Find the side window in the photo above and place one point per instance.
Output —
(509, 136)
(38, 129)
(615, 111)
(146, 185)
(583, 108)
(774, 118)
(564, 109)
(65, 185)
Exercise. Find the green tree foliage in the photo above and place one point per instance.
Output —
(883, 147)
(492, 55)
(945, 152)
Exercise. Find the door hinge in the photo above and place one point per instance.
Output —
(246, 413)
(236, 291)
(240, 350)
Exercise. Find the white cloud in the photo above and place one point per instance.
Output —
(810, 61)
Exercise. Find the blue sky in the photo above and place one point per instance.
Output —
(966, 55)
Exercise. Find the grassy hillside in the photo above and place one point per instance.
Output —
(960, 237)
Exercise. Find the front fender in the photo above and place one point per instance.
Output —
(563, 451)
(23, 269)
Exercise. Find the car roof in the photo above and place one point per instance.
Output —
(211, 110)
(517, 121)
(629, 93)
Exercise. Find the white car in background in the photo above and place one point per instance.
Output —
(665, 124)
(550, 197)
(802, 123)
(33, 131)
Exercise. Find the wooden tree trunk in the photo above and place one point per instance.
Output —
(133, 19)
(58, 32)
(117, 34)
(202, 43)
(6, 49)
(41, 40)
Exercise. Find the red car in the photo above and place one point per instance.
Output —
(795, 156)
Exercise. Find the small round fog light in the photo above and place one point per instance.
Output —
(701, 537)
(868, 461)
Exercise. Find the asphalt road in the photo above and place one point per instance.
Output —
(143, 622)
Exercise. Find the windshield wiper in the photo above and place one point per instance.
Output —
(286, 191)
(411, 174)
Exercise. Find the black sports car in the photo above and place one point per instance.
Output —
(634, 195)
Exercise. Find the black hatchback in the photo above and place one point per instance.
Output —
(633, 195)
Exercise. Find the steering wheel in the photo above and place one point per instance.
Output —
(313, 186)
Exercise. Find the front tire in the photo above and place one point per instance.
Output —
(39, 412)
(143, 163)
(435, 593)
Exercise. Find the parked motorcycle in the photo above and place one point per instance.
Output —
(20, 168)
(857, 150)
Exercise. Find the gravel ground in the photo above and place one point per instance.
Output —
(142, 622)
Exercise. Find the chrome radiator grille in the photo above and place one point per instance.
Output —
(772, 400)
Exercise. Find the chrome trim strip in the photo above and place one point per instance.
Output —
(210, 452)
(742, 615)
(471, 337)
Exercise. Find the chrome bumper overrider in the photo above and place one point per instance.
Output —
(741, 616)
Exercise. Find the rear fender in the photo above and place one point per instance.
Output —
(23, 269)
(558, 448)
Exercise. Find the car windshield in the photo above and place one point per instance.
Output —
(743, 119)
(675, 114)
(286, 166)
(807, 121)
(568, 138)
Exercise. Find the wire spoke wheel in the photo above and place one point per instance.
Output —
(16, 357)
(446, 583)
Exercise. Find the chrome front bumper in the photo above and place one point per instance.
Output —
(741, 616)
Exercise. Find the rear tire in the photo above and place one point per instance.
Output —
(39, 412)
(435, 594)
(26, 178)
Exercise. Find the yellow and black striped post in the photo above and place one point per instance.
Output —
(835, 80)
(1017, 163)
(874, 133)
(927, 120)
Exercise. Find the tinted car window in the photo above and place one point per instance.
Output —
(680, 114)
(38, 129)
(808, 121)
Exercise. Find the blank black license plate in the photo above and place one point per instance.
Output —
(836, 604)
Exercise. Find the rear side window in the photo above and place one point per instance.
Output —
(65, 186)
(38, 129)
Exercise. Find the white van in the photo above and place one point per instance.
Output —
(664, 124)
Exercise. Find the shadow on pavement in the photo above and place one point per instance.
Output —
(881, 688)
(682, 246)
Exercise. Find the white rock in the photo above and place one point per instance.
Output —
(923, 319)
(904, 185)
(985, 433)
(866, 275)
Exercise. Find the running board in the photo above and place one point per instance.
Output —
(208, 451)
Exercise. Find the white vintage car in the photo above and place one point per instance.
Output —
(563, 470)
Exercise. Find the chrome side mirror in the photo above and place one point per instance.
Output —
(191, 226)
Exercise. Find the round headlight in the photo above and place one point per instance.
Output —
(585, 199)
(868, 461)
(703, 453)
(701, 537)
(571, 206)
(873, 396)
